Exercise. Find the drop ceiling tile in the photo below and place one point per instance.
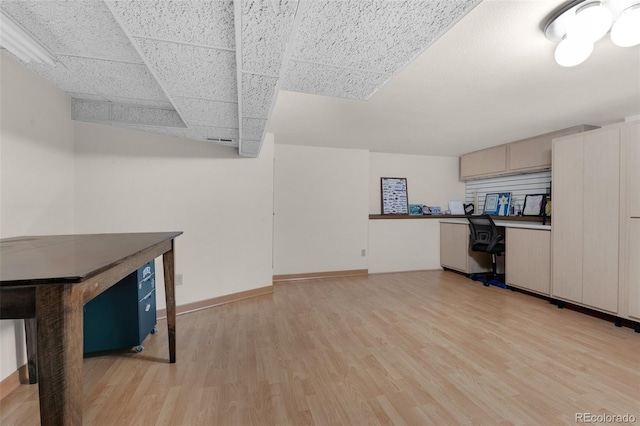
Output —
(81, 28)
(140, 102)
(199, 133)
(199, 22)
(116, 78)
(266, 27)
(200, 112)
(250, 148)
(378, 35)
(253, 128)
(331, 81)
(190, 71)
(86, 97)
(90, 111)
(60, 77)
(85, 110)
(257, 95)
(147, 116)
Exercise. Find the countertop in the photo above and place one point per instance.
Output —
(505, 223)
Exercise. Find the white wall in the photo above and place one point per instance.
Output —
(430, 180)
(129, 181)
(36, 174)
(321, 198)
(410, 244)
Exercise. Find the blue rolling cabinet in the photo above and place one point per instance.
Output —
(124, 315)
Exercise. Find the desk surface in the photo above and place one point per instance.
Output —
(38, 260)
(505, 224)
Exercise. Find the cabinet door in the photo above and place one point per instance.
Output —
(454, 246)
(633, 267)
(487, 161)
(530, 154)
(601, 219)
(528, 259)
(567, 228)
(632, 135)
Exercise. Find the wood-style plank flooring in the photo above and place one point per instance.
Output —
(416, 348)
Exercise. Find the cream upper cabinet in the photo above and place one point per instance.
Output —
(586, 210)
(486, 162)
(526, 155)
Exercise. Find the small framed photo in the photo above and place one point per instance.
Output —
(415, 210)
(534, 205)
(497, 204)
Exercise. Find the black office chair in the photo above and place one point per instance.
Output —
(485, 237)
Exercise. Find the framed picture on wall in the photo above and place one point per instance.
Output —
(394, 196)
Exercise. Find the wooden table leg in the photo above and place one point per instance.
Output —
(59, 322)
(31, 333)
(170, 295)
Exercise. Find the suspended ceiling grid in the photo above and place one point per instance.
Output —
(176, 67)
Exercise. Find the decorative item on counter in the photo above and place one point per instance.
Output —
(497, 204)
(456, 207)
(534, 205)
(435, 210)
(469, 209)
(415, 210)
(393, 193)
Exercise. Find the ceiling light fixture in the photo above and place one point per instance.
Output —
(21, 43)
(578, 25)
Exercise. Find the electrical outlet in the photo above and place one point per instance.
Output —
(178, 279)
(363, 252)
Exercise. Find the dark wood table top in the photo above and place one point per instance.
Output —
(39, 260)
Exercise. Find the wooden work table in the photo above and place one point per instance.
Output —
(46, 280)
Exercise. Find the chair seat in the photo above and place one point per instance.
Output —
(498, 248)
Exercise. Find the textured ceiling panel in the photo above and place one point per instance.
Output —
(60, 77)
(250, 148)
(116, 78)
(148, 116)
(253, 128)
(140, 102)
(87, 97)
(82, 28)
(199, 22)
(200, 112)
(266, 27)
(257, 94)
(377, 35)
(331, 81)
(190, 71)
(199, 133)
(90, 111)
(84, 110)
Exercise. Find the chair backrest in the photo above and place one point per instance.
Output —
(483, 233)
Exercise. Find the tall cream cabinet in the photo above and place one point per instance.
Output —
(631, 219)
(594, 236)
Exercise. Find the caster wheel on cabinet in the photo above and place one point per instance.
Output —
(138, 349)
(154, 330)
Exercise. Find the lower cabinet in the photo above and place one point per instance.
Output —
(528, 259)
(455, 253)
(633, 268)
(124, 315)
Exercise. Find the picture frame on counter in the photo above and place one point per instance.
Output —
(534, 204)
(394, 195)
(497, 203)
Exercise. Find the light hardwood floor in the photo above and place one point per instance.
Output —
(418, 348)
